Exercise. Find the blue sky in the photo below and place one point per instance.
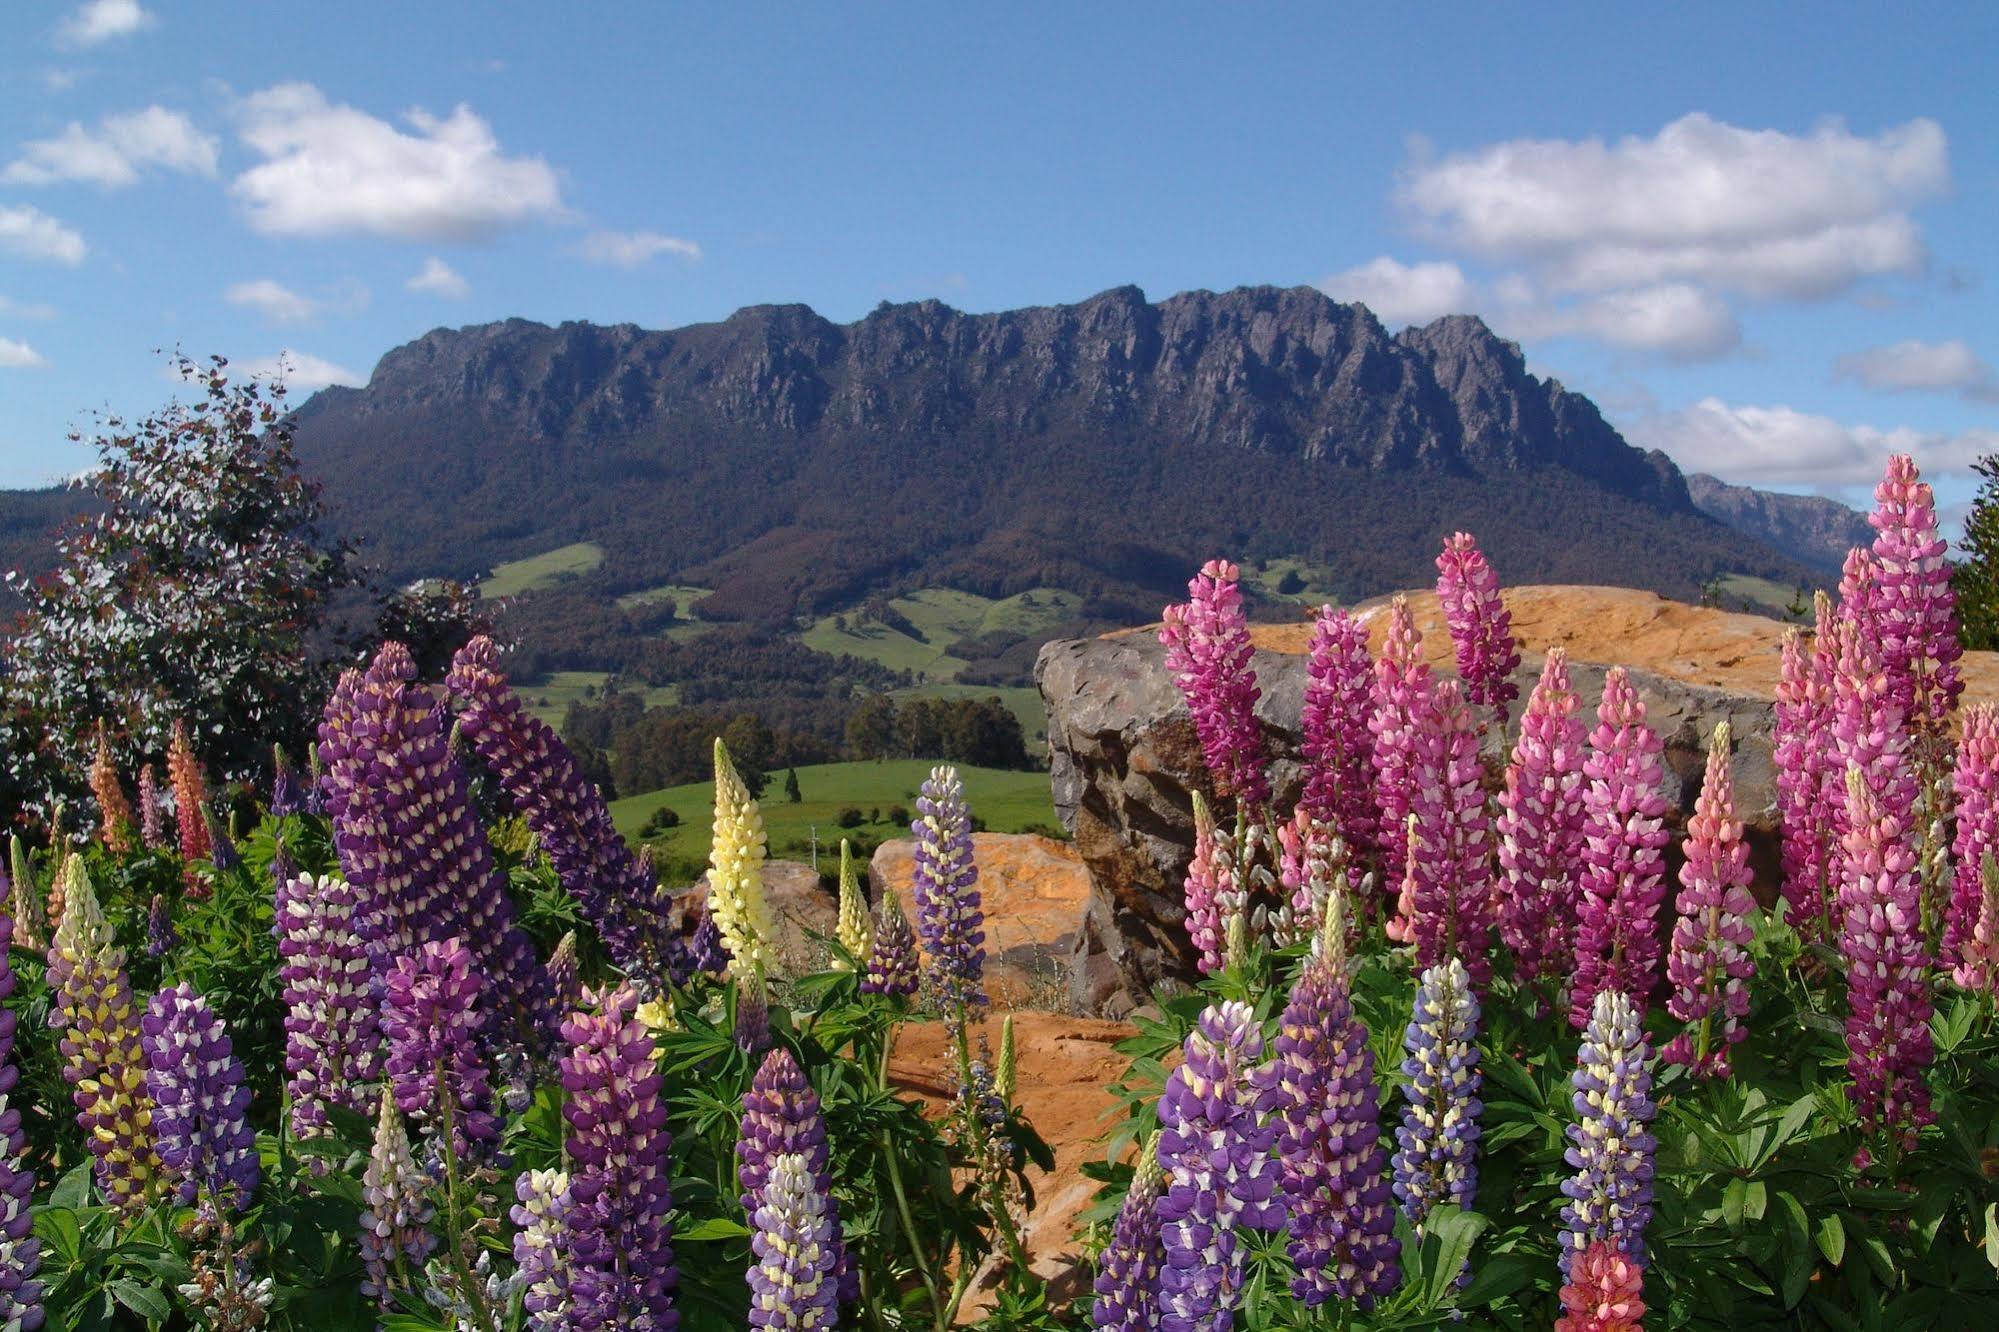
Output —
(1762, 242)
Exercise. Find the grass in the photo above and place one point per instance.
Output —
(550, 699)
(1006, 801)
(538, 571)
(1317, 580)
(941, 616)
(1763, 592)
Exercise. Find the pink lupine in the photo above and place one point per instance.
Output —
(1451, 840)
(1868, 727)
(1977, 786)
(1808, 777)
(1208, 652)
(1624, 832)
(1338, 751)
(1310, 856)
(1976, 965)
(1860, 589)
(1914, 605)
(1402, 683)
(1709, 964)
(1481, 626)
(1206, 892)
(1540, 827)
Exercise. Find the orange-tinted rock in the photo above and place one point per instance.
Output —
(803, 914)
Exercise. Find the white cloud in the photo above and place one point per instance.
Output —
(1674, 320)
(1758, 211)
(33, 234)
(273, 300)
(113, 154)
(1400, 293)
(1912, 365)
(301, 373)
(332, 169)
(438, 278)
(102, 20)
(629, 249)
(13, 309)
(1785, 446)
(19, 356)
(59, 79)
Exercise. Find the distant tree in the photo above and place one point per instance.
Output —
(1976, 577)
(871, 729)
(1290, 585)
(433, 619)
(752, 746)
(791, 791)
(849, 817)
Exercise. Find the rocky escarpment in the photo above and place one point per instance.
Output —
(1810, 528)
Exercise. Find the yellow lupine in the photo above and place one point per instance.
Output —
(855, 928)
(735, 872)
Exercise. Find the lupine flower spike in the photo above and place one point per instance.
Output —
(286, 796)
(1617, 927)
(1915, 608)
(793, 1237)
(1209, 879)
(782, 1117)
(430, 1026)
(396, 1239)
(852, 927)
(1128, 1270)
(20, 1251)
(1481, 626)
(892, 958)
(1208, 653)
(200, 1104)
(946, 882)
(1977, 788)
(1809, 791)
(1450, 851)
(541, 1241)
(23, 900)
(1540, 828)
(1977, 967)
(1603, 1292)
(1402, 684)
(152, 818)
(735, 876)
(1337, 747)
(1436, 1153)
(190, 798)
(1610, 1144)
(115, 820)
(333, 1041)
(1709, 965)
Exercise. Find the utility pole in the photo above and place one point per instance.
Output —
(815, 847)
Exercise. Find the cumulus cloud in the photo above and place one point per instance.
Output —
(13, 309)
(1765, 445)
(438, 278)
(32, 234)
(1916, 366)
(1400, 293)
(19, 356)
(100, 21)
(273, 300)
(629, 249)
(1758, 211)
(330, 169)
(113, 154)
(1674, 320)
(300, 372)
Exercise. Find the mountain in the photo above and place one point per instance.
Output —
(1809, 528)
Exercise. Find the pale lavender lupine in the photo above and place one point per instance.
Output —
(1610, 1144)
(1436, 1148)
(333, 1039)
(945, 881)
(1709, 964)
(782, 1117)
(1623, 883)
(541, 1240)
(1451, 838)
(1208, 653)
(794, 1237)
(1540, 827)
(396, 1214)
(1336, 745)
(1481, 626)
(152, 816)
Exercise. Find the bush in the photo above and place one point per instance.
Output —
(849, 817)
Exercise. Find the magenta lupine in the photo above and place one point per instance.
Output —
(20, 1251)
(1914, 605)
(1888, 998)
(541, 1240)
(794, 1237)
(1208, 653)
(333, 1039)
(1215, 1151)
(1451, 842)
(1127, 1280)
(1540, 828)
(1337, 748)
(782, 1117)
(1436, 1148)
(945, 879)
(1624, 867)
(1402, 684)
(1977, 788)
(892, 961)
(430, 1027)
(152, 818)
(1481, 626)
(1709, 965)
(1610, 1145)
(1808, 777)
(396, 1214)
(200, 1103)
(621, 1268)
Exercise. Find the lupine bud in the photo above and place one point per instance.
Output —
(892, 959)
(541, 1247)
(23, 899)
(221, 849)
(853, 928)
(1337, 748)
(1540, 828)
(1129, 1268)
(1436, 1148)
(1402, 683)
(752, 1024)
(396, 1213)
(1915, 607)
(1977, 788)
(620, 1226)
(200, 1104)
(565, 985)
(782, 1117)
(1006, 1068)
(102, 1055)
(1709, 965)
(705, 954)
(1481, 626)
(735, 876)
(1602, 1294)
(286, 798)
(152, 819)
(1208, 653)
(946, 884)
(1808, 783)
(431, 1025)
(794, 1238)
(161, 937)
(115, 824)
(190, 796)
(1617, 927)
(1215, 1150)
(1610, 1146)
(1451, 850)
(333, 1040)
(20, 1251)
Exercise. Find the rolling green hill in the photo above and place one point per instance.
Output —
(543, 570)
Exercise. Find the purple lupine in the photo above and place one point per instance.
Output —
(1977, 788)
(286, 798)
(1914, 605)
(161, 938)
(430, 1029)
(795, 1238)
(396, 1214)
(781, 1117)
(1806, 756)
(705, 954)
(1709, 965)
(565, 983)
(620, 1228)
(946, 883)
(892, 961)
(1540, 827)
(1127, 1280)
(1208, 653)
(543, 783)
(20, 1251)
(222, 851)
(541, 1239)
(1481, 626)
(751, 1028)
(1208, 887)
(1610, 1146)
(200, 1102)
(1220, 1174)
(1451, 841)
(333, 1038)
(152, 818)
(1887, 980)
(1436, 1147)
(1320, 1089)
(1402, 685)
(1624, 867)
(1338, 751)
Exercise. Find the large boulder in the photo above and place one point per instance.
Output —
(803, 915)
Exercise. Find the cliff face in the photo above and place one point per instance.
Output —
(1811, 529)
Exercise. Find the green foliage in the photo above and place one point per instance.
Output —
(1975, 580)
